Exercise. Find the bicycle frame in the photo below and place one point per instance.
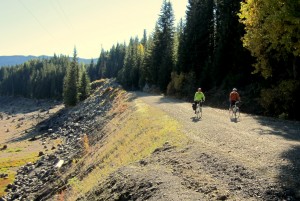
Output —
(235, 111)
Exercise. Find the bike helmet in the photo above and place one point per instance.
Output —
(234, 89)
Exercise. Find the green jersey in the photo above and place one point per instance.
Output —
(199, 96)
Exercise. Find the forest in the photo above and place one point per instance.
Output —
(251, 45)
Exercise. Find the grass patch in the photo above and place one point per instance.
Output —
(135, 137)
(11, 150)
(8, 164)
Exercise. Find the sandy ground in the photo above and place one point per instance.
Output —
(18, 118)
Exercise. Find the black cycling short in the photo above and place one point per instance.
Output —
(201, 103)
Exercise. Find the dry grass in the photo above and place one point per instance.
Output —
(134, 136)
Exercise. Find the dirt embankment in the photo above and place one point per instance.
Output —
(254, 158)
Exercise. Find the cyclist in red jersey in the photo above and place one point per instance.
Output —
(233, 97)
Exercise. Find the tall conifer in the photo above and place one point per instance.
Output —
(70, 93)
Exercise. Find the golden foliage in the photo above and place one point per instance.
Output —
(86, 145)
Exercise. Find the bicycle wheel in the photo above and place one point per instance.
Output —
(197, 112)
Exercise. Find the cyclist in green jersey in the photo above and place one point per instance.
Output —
(198, 98)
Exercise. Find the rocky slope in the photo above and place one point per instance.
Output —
(42, 179)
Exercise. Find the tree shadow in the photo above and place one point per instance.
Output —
(13, 106)
(162, 99)
(41, 129)
(289, 130)
(289, 174)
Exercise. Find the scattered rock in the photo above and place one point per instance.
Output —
(35, 181)
(222, 197)
(3, 175)
(33, 138)
(4, 147)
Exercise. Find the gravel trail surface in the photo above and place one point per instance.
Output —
(264, 151)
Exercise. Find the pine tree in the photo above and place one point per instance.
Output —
(84, 86)
(70, 93)
(166, 40)
(101, 64)
(160, 61)
(196, 45)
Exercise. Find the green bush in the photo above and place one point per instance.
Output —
(181, 85)
(279, 100)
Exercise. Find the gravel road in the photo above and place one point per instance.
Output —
(266, 148)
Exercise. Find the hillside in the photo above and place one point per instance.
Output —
(120, 145)
(20, 59)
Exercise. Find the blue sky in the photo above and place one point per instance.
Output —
(45, 27)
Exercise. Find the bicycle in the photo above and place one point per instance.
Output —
(234, 112)
(199, 110)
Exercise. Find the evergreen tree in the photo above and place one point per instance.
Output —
(91, 70)
(177, 38)
(84, 86)
(196, 46)
(101, 64)
(146, 73)
(70, 93)
(166, 39)
(231, 62)
(161, 58)
(36, 78)
(144, 40)
(128, 75)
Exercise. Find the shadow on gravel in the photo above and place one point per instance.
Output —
(287, 129)
(195, 119)
(289, 174)
(162, 99)
(234, 120)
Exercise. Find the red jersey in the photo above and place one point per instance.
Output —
(234, 96)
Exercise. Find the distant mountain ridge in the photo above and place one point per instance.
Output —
(20, 59)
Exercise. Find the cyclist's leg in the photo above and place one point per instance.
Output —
(232, 103)
(237, 112)
(201, 104)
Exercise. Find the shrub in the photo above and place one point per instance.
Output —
(279, 100)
